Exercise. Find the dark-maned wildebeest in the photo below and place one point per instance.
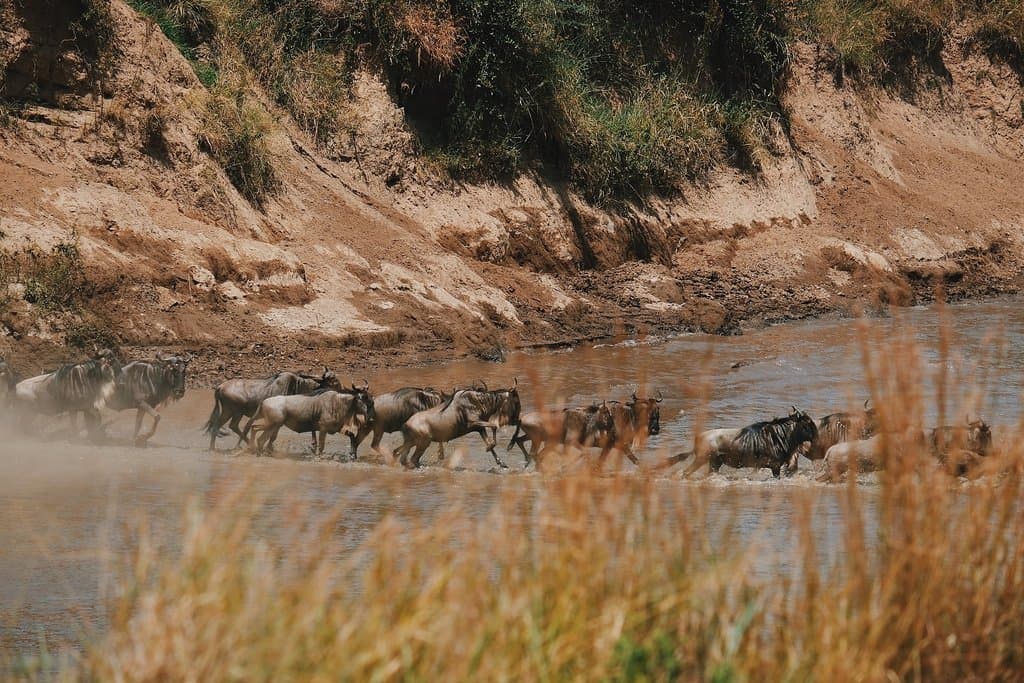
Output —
(774, 444)
(144, 386)
(390, 412)
(468, 410)
(76, 387)
(592, 425)
(238, 398)
(839, 427)
(323, 412)
(638, 418)
(958, 447)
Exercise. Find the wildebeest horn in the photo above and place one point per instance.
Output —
(326, 371)
(515, 382)
(660, 397)
(366, 384)
(160, 355)
(866, 402)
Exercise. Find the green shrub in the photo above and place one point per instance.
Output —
(94, 34)
(188, 24)
(91, 334)
(53, 280)
(234, 134)
(1001, 28)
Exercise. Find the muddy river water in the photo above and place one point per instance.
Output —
(70, 512)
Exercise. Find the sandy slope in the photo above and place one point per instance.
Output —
(372, 258)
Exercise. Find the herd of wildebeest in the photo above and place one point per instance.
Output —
(320, 405)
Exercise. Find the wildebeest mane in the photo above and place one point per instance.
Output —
(419, 398)
(78, 383)
(146, 381)
(482, 404)
(772, 436)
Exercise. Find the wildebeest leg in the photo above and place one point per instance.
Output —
(628, 452)
(271, 437)
(793, 465)
(491, 443)
(402, 452)
(355, 439)
(420, 449)
(93, 424)
(242, 435)
(698, 462)
(323, 441)
(149, 410)
(440, 451)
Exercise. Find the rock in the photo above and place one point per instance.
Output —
(201, 278)
(229, 290)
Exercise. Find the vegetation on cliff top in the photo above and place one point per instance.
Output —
(622, 99)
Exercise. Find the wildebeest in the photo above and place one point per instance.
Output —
(841, 456)
(637, 418)
(391, 410)
(973, 436)
(238, 398)
(839, 427)
(868, 454)
(468, 410)
(592, 425)
(323, 412)
(774, 444)
(76, 387)
(146, 385)
(958, 446)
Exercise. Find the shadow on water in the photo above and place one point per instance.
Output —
(72, 511)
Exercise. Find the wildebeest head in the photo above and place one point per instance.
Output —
(603, 420)
(979, 437)
(107, 362)
(173, 369)
(804, 428)
(509, 405)
(329, 380)
(362, 404)
(647, 412)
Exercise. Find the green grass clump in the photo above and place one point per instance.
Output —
(188, 24)
(234, 134)
(54, 280)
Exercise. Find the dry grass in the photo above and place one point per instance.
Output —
(234, 133)
(605, 579)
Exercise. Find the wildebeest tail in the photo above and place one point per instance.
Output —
(672, 460)
(213, 424)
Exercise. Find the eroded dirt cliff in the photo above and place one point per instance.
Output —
(368, 255)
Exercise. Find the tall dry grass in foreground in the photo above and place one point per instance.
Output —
(592, 578)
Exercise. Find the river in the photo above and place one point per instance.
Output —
(72, 512)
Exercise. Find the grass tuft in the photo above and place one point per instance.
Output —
(234, 134)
